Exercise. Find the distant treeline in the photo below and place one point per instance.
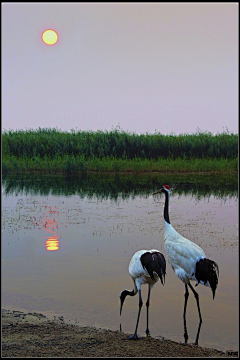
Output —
(118, 144)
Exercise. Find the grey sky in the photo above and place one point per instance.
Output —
(172, 67)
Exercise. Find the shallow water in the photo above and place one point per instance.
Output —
(69, 255)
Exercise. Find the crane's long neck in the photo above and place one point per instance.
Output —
(166, 206)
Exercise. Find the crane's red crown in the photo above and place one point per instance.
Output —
(167, 187)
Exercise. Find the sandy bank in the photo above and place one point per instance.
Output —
(35, 335)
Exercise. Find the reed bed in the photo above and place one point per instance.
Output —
(55, 151)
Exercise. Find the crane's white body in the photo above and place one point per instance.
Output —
(188, 261)
(138, 273)
(145, 267)
(182, 254)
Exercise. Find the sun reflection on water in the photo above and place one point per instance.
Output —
(52, 243)
(51, 226)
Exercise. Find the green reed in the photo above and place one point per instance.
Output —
(118, 144)
(69, 164)
(55, 151)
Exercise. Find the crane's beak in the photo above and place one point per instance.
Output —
(158, 191)
(121, 305)
(122, 298)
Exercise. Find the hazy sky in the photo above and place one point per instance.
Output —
(170, 67)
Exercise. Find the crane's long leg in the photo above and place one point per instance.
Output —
(135, 337)
(197, 299)
(147, 305)
(199, 312)
(184, 314)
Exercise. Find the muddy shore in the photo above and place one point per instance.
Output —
(26, 334)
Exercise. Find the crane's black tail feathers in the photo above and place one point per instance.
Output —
(207, 271)
(154, 262)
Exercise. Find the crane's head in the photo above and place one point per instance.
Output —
(165, 189)
(122, 296)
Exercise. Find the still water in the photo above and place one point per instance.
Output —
(66, 247)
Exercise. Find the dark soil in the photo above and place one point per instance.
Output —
(33, 335)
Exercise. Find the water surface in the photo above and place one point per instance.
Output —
(66, 247)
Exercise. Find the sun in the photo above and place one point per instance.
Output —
(50, 37)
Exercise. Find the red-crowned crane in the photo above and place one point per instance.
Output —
(188, 261)
(145, 267)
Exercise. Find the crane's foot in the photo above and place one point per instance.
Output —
(148, 333)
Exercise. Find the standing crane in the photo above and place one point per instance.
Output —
(188, 261)
(145, 267)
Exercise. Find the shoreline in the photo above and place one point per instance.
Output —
(32, 334)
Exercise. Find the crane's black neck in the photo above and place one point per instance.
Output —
(166, 214)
